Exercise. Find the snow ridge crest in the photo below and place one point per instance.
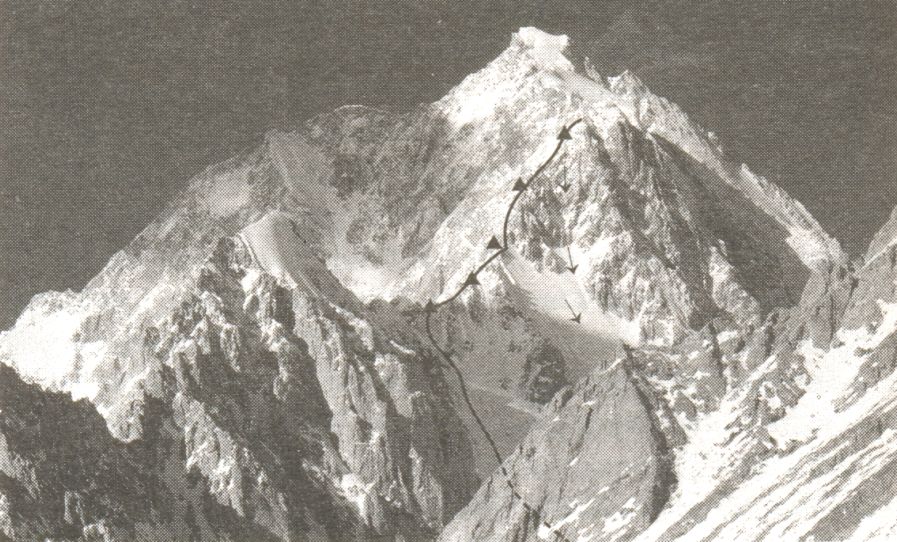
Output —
(547, 50)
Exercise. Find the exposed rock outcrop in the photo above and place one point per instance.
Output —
(781, 431)
(286, 417)
(596, 439)
(543, 373)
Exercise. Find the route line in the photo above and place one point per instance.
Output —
(432, 307)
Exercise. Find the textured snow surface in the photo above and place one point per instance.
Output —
(815, 469)
(550, 292)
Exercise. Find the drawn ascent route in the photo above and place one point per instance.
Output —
(433, 306)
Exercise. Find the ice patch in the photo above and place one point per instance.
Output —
(364, 278)
(356, 491)
(549, 291)
(228, 192)
(621, 519)
(279, 252)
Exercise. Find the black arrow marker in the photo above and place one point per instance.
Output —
(432, 307)
(576, 315)
(562, 137)
(571, 267)
(565, 184)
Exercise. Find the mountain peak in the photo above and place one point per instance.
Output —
(533, 82)
(546, 49)
(300, 269)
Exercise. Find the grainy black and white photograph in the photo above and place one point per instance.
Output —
(433, 271)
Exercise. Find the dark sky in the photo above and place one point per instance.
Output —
(108, 107)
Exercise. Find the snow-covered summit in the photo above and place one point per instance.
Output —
(547, 50)
(535, 63)
(387, 198)
(305, 260)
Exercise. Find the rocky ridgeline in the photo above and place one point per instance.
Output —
(780, 430)
(243, 429)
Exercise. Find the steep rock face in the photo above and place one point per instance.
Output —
(779, 431)
(596, 439)
(65, 477)
(404, 451)
(666, 233)
(875, 279)
(822, 446)
(287, 417)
